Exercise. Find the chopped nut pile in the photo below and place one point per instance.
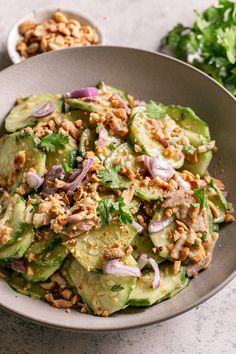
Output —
(55, 33)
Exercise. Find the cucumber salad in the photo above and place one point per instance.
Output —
(105, 200)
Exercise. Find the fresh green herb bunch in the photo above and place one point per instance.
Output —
(211, 44)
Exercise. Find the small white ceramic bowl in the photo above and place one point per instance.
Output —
(39, 15)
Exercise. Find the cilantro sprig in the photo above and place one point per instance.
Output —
(210, 44)
(110, 176)
(155, 110)
(200, 193)
(54, 141)
(108, 209)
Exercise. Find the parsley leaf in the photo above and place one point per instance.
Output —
(54, 141)
(67, 168)
(155, 110)
(202, 197)
(107, 209)
(117, 287)
(110, 176)
(213, 184)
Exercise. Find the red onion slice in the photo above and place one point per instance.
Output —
(57, 171)
(44, 110)
(83, 92)
(181, 182)
(137, 226)
(18, 266)
(144, 260)
(193, 269)
(34, 180)
(103, 137)
(158, 225)
(157, 278)
(116, 267)
(157, 167)
(75, 184)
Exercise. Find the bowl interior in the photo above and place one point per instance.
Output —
(145, 75)
(39, 15)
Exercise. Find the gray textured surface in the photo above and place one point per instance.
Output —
(211, 327)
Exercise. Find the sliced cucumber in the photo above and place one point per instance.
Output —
(187, 119)
(183, 285)
(14, 216)
(16, 249)
(21, 286)
(10, 146)
(86, 142)
(21, 115)
(44, 245)
(82, 105)
(35, 273)
(151, 194)
(201, 166)
(103, 293)
(142, 244)
(125, 153)
(66, 156)
(220, 208)
(140, 134)
(54, 257)
(161, 239)
(90, 246)
(77, 114)
(171, 283)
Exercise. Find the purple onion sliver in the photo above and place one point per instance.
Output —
(91, 99)
(137, 226)
(34, 180)
(75, 184)
(44, 110)
(18, 266)
(103, 137)
(181, 182)
(116, 267)
(158, 225)
(157, 167)
(157, 278)
(83, 92)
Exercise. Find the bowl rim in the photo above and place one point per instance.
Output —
(146, 323)
(11, 49)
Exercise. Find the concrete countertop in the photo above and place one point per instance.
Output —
(207, 329)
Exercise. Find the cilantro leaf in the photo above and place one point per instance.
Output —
(200, 193)
(224, 202)
(110, 176)
(124, 212)
(155, 110)
(117, 288)
(107, 209)
(54, 141)
(210, 44)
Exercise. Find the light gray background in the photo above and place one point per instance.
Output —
(209, 328)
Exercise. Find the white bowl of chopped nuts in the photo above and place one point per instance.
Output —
(44, 30)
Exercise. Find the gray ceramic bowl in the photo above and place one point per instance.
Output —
(148, 76)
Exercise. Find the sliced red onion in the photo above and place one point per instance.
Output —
(122, 103)
(83, 92)
(116, 267)
(143, 260)
(57, 171)
(18, 266)
(137, 226)
(157, 278)
(181, 182)
(158, 225)
(91, 99)
(34, 180)
(103, 137)
(75, 184)
(44, 110)
(157, 167)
